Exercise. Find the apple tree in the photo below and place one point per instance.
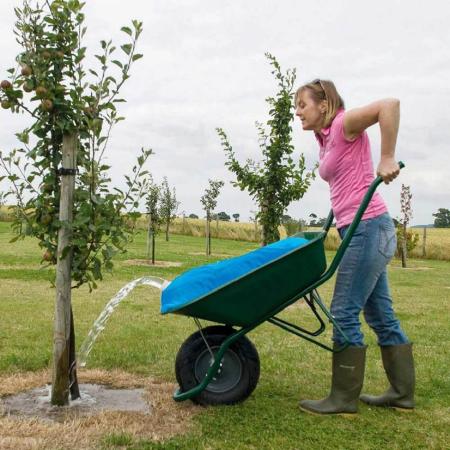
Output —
(58, 172)
(278, 180)
(209, 202)
(168, 206)
(152, 204)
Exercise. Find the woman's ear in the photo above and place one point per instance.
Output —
(323, 106)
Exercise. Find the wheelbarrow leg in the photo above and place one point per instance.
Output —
(330, 317)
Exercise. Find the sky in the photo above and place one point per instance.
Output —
(204, 67)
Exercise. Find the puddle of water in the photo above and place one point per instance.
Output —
(99, 324)
(94, 398)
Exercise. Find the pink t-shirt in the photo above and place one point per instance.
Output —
(347, 167)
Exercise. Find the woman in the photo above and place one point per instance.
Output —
(361, 284)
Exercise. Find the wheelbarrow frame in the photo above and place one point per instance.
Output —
(309, 294)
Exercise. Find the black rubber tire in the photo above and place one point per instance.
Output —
(237, 379)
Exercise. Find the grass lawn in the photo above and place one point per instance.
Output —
(139, 340)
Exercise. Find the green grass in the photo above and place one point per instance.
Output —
(138, 339)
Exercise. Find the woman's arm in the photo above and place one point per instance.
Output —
(387, 113)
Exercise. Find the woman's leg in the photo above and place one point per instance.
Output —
(357, 277)
(396, 351)
(380, 315)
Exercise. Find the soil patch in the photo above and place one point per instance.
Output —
(94, 399)
(146, 262)
(113, 402)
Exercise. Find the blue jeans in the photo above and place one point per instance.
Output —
(362, 284)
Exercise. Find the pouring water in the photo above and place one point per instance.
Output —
(99, 324)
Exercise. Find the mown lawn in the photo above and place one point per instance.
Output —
(139, 340)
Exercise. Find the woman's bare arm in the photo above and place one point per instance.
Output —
(387, 113)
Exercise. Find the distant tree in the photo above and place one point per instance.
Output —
(320, 222)
(442, 218)
(223, 216)
(209, 202)
(312, 220)
(3, 215)
(254, 219)
(406, 210)
(168, 205)
(236, 217)
(154, 218)
(316, 221)
(290, 225)
(193, 216)
(276, 181)
(302, 224)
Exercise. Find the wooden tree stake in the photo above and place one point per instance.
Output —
(61, 336)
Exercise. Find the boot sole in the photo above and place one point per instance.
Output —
(403, 410)
(397, 408)
(342, 414)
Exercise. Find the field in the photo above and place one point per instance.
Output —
(140, 342)
(437, 243)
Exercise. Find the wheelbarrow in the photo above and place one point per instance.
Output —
(218, 364)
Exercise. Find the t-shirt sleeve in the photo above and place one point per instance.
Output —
(338, 131)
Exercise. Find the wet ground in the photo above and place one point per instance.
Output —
(113, 403)
(95, 398)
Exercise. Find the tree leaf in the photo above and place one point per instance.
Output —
(126, 48)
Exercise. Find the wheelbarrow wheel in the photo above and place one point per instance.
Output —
(238, 374)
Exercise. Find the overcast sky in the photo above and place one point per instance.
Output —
(204, 67)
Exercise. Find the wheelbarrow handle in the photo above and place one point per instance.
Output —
(351, 229)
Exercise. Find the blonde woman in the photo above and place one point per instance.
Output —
(345, 162)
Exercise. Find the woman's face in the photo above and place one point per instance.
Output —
(310, 113)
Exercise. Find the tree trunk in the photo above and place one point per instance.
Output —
(424, 243)
(73, 379)
(270, 234)
(167, 230)
(62, 322)
(149, 238)
(153, 248)
(208, 236)
(404, 249)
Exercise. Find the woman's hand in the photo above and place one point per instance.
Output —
(388, 169)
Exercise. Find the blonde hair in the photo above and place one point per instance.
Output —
(323, 90)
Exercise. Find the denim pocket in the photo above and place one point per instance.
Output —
(388, 239)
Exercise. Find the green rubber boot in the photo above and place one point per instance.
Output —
(398, 364)
(346, 383)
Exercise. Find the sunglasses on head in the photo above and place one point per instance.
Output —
(319, 82)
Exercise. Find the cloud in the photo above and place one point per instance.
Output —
(204, 67)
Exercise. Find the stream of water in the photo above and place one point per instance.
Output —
(99, 324)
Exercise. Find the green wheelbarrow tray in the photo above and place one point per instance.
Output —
(259, 295)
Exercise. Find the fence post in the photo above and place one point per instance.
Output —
(424, 242)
